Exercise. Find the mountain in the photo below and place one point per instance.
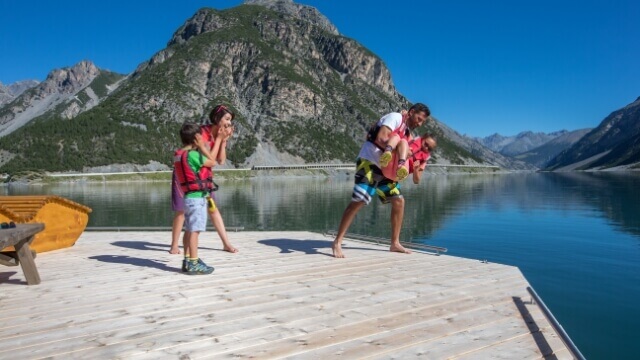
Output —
(476, 150)
(615, 142)
(301, 91)
(65, 93)
(541, 155)
(518, 144)
(10, 92)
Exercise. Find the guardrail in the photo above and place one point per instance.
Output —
(573, 349)
(263, 167)
(352, 166)
(416, 246)
(304, 166)
(152, 228)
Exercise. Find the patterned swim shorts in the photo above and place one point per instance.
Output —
(369, 181)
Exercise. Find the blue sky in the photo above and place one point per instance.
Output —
(482, 66)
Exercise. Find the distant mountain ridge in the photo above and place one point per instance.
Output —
(65, 92)
(544, 153)
(12, 91)
(615, 142)
(520, 143)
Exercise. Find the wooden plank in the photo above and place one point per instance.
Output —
(267, 315)
(265, 302)
(329, 316)
(181, 282)
(290, 346)
(25, 257)
(9, 237)
(164, 310)
(440, 343)
(301, 262)
(9, 258)
(98, 305)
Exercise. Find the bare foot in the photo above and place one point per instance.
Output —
(399, 248)
(230, 248)
(174, 251)
(337, 251)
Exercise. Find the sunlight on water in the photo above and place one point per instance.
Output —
(575, 236)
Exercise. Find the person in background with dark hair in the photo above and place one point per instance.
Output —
(215, 135)
(369, 179)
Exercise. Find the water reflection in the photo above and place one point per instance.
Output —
(317, 204)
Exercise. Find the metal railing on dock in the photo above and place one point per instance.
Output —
(573, 349)
(415, 246)
(152, 228)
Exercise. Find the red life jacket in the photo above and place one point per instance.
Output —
(188, 180)
(207, 137)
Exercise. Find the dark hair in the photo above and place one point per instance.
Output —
(188, 133)
(426, 136)
(218, 112)
(420, 107)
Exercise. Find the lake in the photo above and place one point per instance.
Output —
(575, 236)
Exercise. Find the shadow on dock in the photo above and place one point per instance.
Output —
(149, 246)
(538, 336)
(123, 259)
(310, 247)
(5, 278)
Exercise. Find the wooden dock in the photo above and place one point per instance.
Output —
(121, 295)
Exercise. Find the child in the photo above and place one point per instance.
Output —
(408, 157)
(215, 135)
(192, 170)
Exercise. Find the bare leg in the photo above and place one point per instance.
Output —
(216, 219)
(185, 243)
(176, 229)
(402, 149)
(397, 214)
(193, 244)
(394, 141)
(347, 218)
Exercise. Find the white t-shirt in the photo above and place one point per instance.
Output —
(371, 152)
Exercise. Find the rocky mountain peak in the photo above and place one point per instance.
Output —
(207, 20)
(70, 80)
(303, 12)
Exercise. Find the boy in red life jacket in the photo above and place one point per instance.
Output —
(416, 152)
(215, 136)
(192, 169)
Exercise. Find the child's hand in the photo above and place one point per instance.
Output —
(403, 112)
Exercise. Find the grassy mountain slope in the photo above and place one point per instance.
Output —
(293, 84)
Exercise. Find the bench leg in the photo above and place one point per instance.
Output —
(25, 258)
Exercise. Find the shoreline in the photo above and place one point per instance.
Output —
(248, 173)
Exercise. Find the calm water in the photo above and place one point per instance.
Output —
(576, 237)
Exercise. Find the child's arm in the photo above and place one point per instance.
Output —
(209, 158)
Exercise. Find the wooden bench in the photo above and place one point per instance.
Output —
(20, 238)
